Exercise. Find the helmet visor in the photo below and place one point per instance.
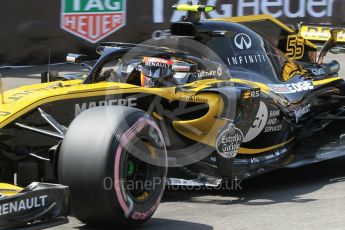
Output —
(157, 67)
(156, 72)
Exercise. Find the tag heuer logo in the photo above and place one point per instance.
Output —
(93, 20)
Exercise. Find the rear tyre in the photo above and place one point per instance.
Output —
(115, 163)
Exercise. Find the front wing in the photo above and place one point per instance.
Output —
(37, 206)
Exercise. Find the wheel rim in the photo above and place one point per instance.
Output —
(138, 173)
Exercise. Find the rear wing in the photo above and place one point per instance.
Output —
(320, 33)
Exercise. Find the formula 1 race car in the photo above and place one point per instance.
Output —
(220, 99)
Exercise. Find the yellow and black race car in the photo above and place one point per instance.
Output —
(221, 99)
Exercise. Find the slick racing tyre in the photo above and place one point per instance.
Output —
(115, 162)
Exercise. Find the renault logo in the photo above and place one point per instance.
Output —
(243, 41)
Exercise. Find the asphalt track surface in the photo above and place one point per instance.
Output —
(311, 197)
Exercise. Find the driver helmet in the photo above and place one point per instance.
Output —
(157, 72)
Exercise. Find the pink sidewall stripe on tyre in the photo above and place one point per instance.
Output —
(124, 140)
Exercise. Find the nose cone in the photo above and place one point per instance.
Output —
(18, 101)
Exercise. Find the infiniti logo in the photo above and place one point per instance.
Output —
(243, 41)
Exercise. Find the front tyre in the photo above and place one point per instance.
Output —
(114, 161)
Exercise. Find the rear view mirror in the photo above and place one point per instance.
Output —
(49, 76)
(75, 58)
